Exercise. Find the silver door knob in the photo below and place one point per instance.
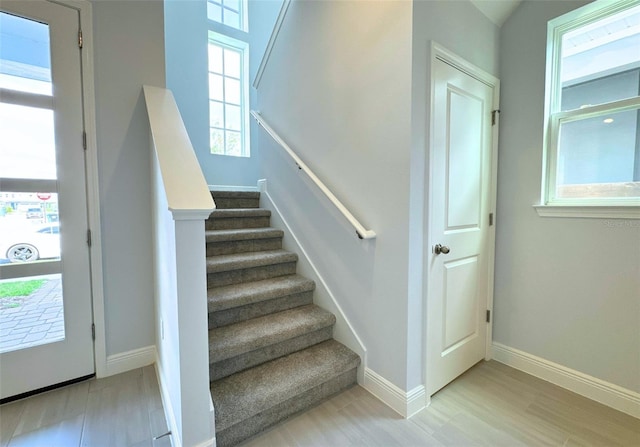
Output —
(441, 249)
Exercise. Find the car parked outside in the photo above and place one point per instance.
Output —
(34, 213)
(42, 242)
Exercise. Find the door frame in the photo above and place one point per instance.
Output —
(85, 13)
(437, 51)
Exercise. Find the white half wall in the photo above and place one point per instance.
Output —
(181, 326)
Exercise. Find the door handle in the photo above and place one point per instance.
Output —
(441, 249)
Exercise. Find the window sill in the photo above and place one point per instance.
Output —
(589, 211)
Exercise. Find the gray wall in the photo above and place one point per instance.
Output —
(185, 33)
(128, 52)
(337, 89)
(566, 290)
(186, 39)
(351, 100)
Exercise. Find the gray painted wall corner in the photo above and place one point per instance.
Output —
(128, 52)
(560, 293)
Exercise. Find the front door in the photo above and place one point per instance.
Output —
(45, 292)
(459, 224)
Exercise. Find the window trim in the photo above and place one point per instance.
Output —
(243, 47)
(243, 12)
(554, 117)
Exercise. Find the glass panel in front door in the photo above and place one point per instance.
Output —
(31, 306)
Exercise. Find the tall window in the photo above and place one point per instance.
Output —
(228, 77)
(593, 106)
(228, 114)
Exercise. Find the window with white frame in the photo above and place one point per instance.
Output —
(593, 106)
(228, 12)
(228, 96)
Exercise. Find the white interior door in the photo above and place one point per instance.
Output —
(45, 294)
(461, 172)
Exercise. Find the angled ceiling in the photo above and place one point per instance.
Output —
(496, 10)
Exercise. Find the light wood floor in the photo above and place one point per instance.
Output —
(490, 405)
(121, 410)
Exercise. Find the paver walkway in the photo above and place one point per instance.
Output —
(37, 319)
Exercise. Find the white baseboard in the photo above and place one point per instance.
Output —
(126, 361)
(233, 188)
(209, 443)
(588, 386)
(169, 413)
(406, 404)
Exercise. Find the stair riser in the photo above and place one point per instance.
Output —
(232, 365)
(243, 313)
(230, 223)
(219, 279)
(226, 203)
(302, 402)
(243, 246)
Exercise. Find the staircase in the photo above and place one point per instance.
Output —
(271, 351)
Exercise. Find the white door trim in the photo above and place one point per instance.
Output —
(85, 12)
(437, 51)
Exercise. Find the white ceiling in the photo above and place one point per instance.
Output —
(496, 10)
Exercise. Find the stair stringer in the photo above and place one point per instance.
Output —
(323, 297)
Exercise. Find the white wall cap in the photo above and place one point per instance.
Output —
(187, 192)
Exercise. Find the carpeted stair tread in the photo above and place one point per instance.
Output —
(241, 431)
(236, 194)
(240, 338)
(236, 199)
(227, 297)
(237, 261)
(239, 212)
(242, 234)
(227, 217)
(271, 354)
(255, 390)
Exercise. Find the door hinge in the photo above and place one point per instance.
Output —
(80, 41)
(493, 116)
(93, 331)
(490, 219)
(84, 140)
(488, 316)
(89, 238)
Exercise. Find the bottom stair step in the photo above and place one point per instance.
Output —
(250, 401)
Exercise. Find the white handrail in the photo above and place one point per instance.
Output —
(361, 231)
